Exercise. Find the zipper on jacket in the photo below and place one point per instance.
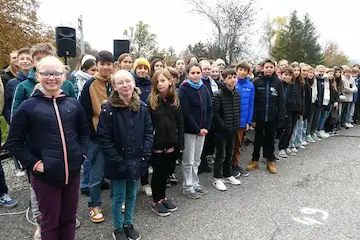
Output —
(201, 106)
(63, 142)
(267, 100)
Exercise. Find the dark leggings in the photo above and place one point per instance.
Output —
(162, 164)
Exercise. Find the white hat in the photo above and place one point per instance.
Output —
(219, 61)
(87, 57)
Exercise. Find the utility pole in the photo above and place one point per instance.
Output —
(81, 29)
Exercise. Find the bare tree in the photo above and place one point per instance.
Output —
(233, 21)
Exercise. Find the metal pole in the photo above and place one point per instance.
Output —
(81, 29)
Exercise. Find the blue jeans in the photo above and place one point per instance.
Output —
(86, 173)
(323, 117)
(305, 128)
(123, 190)
(96, 176)
(297, 136)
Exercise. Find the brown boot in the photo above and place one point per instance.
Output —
(271, 166)
(252, 165)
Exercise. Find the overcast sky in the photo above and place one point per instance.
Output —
(176, 26)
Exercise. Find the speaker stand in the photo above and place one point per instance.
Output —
(65, 61)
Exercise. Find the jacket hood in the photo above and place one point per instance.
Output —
(83, 76)
(116, 101)
(31, 76)
(39, 93)
(141, 81)
(21, 76)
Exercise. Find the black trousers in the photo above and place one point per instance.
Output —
(313, 119)
(224, 154)
(209, 148)
(264, 135)
(3, 187)
(289, 124)
(162, 164)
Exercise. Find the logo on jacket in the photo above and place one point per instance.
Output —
(273, 91)
(247, 89)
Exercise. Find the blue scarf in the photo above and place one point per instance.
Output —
(195, 85)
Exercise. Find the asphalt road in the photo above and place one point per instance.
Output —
(315, 195)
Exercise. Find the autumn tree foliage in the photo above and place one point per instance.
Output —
(20, 27)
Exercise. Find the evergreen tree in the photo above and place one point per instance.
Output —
(311, 47)
(297, 41)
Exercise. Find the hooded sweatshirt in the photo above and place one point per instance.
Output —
(81, 78)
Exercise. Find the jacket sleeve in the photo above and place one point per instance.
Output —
(251, 105)
(83, 130)
(218, 121)
(105, 139)
(9, 90)
(281, 105)
(148, 135)
(2, 100)
(188, 118)
(19, 97)
(180, 128)
(347, 88)
(85, 102)
(255, 100)
(16, 141)
(210, 115)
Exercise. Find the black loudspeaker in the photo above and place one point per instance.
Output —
(65, 41)
(120, 47)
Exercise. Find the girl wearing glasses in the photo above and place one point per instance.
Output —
(57, 132)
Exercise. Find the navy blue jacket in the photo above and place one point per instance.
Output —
(57, 134)
(125, 136)
(269, 105)
(144, 84)
(9, 92)
(197, 108)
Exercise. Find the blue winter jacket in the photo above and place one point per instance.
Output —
(9, 92)
(247, 94)
(57, 133)
(197, 108)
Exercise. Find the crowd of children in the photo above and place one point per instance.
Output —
(126, 120)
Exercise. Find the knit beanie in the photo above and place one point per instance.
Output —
(141, 61)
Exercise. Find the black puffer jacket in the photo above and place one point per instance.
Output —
(293, 99)
(57, 133)
(168, 123)
(125, 136)
(269, 99)
(226, 106)
(307, 98)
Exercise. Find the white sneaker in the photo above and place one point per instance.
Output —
(289, 152)
(20, 173)
(232, 180)
(283, 154)
(323, 134)
(147, 190)
(294, 150)
(302, 147)
(218, 183)
(304, 143)
(350, 125)
(37, 233)
(150, 170)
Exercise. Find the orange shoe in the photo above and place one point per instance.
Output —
(95, 215)
(252, 165)
(271, 166)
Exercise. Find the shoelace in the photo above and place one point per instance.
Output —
(6, 197)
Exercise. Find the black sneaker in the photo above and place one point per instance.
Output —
(242, 171)
(168, 183)
(119, 234)
(201, 190)
(169, 205)
(160, 209)
(204, 168)
(235, 173)
(105, 185)
(131, 233)
(173, 179)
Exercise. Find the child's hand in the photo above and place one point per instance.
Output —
(247, 127)
(336, 104)
(254, 124)
(203, 131)
(40, 168)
